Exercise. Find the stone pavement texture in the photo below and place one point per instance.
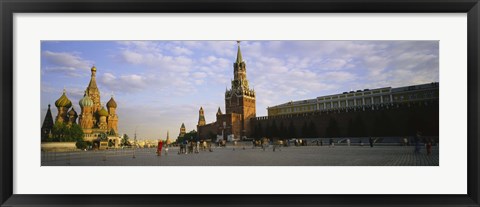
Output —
(285, 156)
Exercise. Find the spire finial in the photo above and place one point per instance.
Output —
(239, 53)
(64, 90)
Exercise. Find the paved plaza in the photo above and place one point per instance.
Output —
(227, 156)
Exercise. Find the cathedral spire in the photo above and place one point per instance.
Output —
(47, 125)
(93, 81)
(93, 91)
(239, 53)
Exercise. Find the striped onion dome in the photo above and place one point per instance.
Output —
(63, 101)
(85, 101)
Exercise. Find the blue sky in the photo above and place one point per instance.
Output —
(158, 85)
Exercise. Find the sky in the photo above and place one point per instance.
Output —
(158, 85)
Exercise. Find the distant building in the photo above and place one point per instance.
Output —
(239, 107)
(360, 98)
(183, 131)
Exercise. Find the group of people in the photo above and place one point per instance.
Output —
(185, 147)
(192, 146)
(427, 141)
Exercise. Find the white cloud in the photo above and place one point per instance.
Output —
(124, 83)
(181, 51)
(65, 62)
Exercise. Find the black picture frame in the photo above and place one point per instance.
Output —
(10, 7)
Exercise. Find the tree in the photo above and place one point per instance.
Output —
(75, 133)
(125, 141)
(58, 131)
(188, 136)
(66, 133)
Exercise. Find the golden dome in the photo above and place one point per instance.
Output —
(103, 112)
(93, 68)
(63, 101)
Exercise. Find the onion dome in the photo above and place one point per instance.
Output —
(93, 68)
(85, 101)
(63, 101)
(111, 103)
(103, 112)
(72, 112)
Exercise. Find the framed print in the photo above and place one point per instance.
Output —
(262, 103)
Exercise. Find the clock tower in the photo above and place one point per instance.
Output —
(240, 99)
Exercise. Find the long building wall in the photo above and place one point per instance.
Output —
(403, 119)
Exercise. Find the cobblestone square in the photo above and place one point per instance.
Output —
(248, 156)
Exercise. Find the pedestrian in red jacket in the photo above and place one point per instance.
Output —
(159, 148)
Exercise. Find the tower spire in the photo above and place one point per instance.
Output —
(239, 53)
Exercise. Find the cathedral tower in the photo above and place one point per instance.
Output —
(112, 119)
(201, 117)
(103, 113)
(63, 104)
(72, 116)
(93, 91)
(86, 115)
(240, 99)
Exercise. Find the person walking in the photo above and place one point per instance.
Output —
(185, 143)
(429, 147)
(159, 148)
(371, 140)
(331, 143)
(417, 143)
(348, 142)
(166, 149)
